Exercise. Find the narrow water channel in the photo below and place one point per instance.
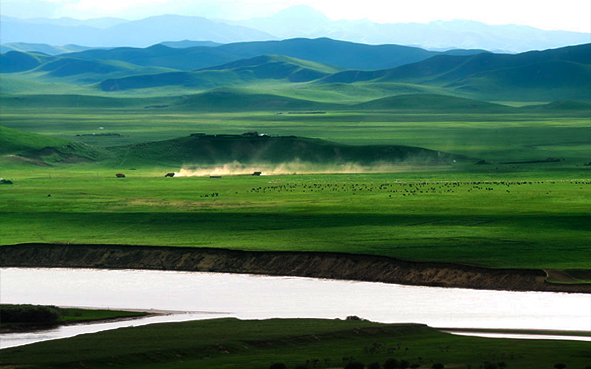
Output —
(209, 295)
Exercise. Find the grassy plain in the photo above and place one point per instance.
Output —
(497, 215)
(231, 343)
(537, 223)
(514, 136)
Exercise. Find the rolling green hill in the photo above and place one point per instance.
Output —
(241, 72)
(204, 149)
(430, 102)
(550, 75)
(200, 81)
(16, 61)
(563, 105)
(221, 149)
(162, 56)
(237, 100)
(24, 148)
(533, 76)
(14, 141)
(225, 99)
(322, 50)
(547, 81)
(344, 54)
(41, 48)
(75, 101)
(66, 67)
(278, 67)
(44, 68)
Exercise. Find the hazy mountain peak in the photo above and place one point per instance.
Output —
(304, 12)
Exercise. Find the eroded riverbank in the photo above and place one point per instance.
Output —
(297, 264)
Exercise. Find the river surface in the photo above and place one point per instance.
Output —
(195, 295)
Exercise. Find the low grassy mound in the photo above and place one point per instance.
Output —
(40, 48)
(64, 67)
(309, 343)
(43, 150)
(237, 100)
(279, 67)
(541, 81)
(216, 149)
(561, 106)
(16, 61)
(74, 101)
(432, 102)
(196, 80)
(14, 141)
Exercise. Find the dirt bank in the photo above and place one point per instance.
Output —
(301, 264)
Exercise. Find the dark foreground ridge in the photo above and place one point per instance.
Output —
(301, 264)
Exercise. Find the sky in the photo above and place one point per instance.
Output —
(571, 15)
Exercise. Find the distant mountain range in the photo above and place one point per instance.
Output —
(140, 33)
(339, 53)
(41, 48)
(295, 22)
(314, 66)
(304, 21)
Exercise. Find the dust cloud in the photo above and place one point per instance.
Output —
(294, 167)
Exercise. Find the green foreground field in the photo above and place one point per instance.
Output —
(256, 344)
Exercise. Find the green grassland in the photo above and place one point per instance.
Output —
(531, 213)
(499, 185)
(495, 133)
(415, 215)
(353, 180)
(230, 343)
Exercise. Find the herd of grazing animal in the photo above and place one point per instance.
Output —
(397, 188)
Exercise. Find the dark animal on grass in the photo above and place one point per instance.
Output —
(169, 175)
(391, 364)
(355, 365)
(120, 175)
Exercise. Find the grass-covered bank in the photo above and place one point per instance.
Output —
(26, 317)
(231, 343)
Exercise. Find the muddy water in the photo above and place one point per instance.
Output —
(208, 295)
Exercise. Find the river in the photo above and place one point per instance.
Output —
(193, 295)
